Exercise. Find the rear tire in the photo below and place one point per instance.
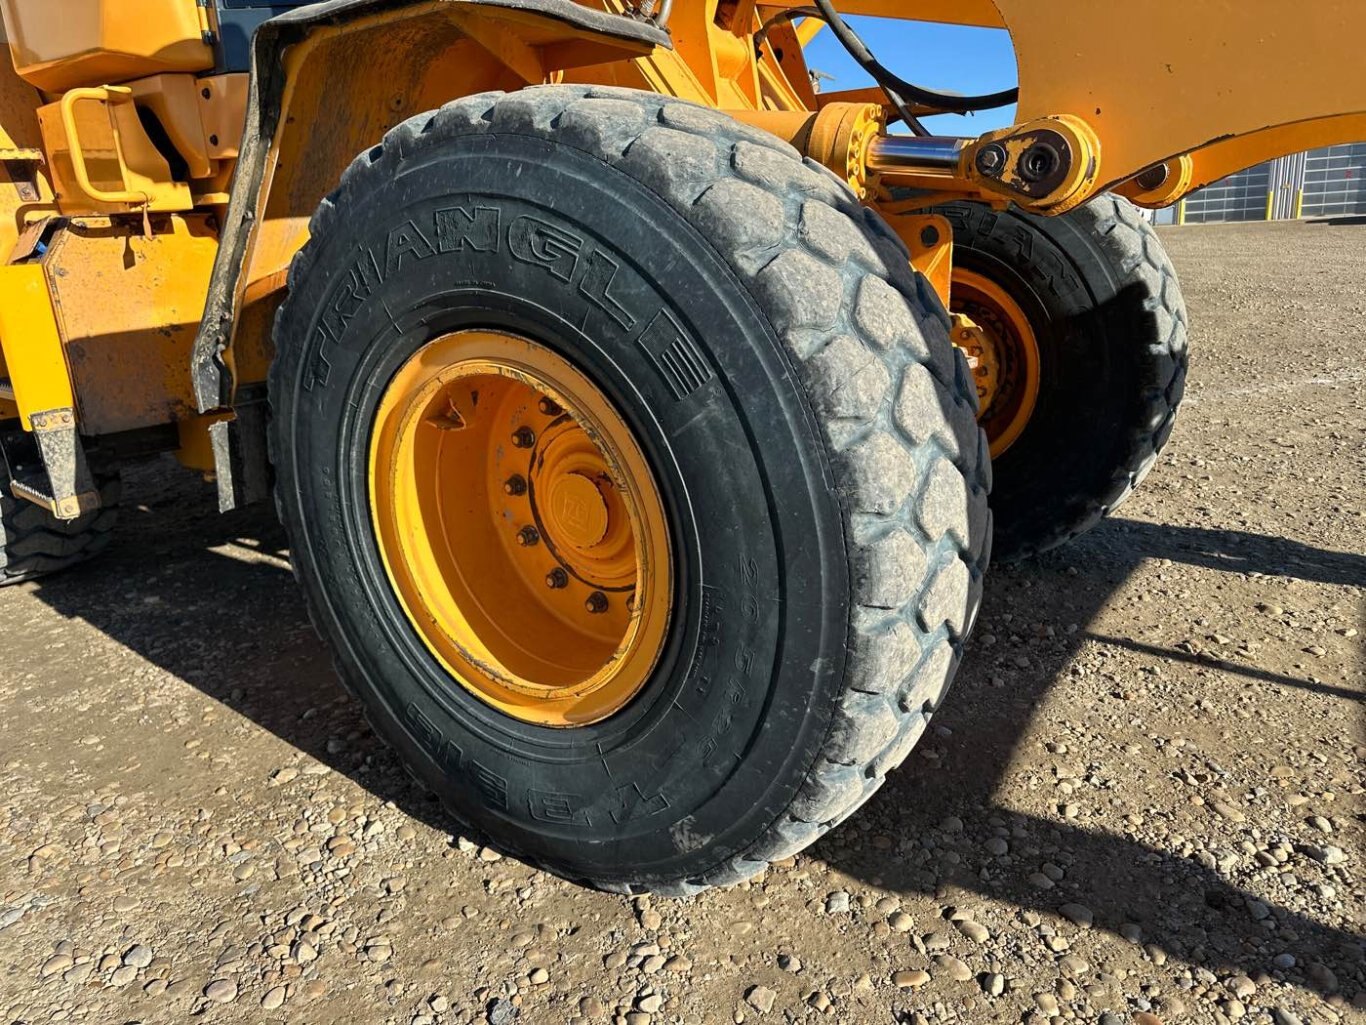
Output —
(34, 543)
(1103, 299)
(791, 382)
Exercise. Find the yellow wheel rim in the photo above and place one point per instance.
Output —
(1003, 355)
(521, 528)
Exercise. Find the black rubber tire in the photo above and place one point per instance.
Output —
(34, 543)
(1106, 307)
(821, 466)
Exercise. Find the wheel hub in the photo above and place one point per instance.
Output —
(521, 528)
(1002, 351)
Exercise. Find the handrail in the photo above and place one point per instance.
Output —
(108, 94)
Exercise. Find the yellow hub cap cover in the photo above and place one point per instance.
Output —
(521, 528)
(1003, 354)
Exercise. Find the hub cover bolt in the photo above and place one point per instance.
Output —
(515, 485)
(556, 579)
(549, 407)
(596, 603)
(524, 437)
(528, 536)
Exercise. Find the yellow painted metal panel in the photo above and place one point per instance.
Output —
(58, 44)
(33, 350)
(128, 308)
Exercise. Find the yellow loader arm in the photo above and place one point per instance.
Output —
(1221, 87)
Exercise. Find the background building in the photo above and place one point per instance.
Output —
(1327, 182)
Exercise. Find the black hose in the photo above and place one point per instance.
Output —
(895, 85)
(903, 109)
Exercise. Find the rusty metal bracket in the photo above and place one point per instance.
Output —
(70, 490)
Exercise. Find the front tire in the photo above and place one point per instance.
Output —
(806, 423)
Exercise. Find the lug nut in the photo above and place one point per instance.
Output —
(929, 236)
(528, 536)
(524, 437)
(556, 579)
(549, 407)
(515, 485)
(596, 603)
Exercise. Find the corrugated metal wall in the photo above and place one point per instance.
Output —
(1327, 182)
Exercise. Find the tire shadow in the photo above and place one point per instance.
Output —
(210, 599)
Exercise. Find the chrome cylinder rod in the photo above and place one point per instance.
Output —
(908, 153)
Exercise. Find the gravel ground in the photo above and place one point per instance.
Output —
(1142, 802)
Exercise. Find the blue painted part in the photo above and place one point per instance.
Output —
(237, 22)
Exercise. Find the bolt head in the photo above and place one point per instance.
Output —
(991, 159)
(524, 437)
(929, 236)
(528, 536)
(549, 407)
(596, 603)
(515, 485)
(556, 579)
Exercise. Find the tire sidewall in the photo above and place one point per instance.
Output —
(714, 748)
(1097, 363)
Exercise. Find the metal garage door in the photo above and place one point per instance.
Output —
(1335, 181)
(1239, 197)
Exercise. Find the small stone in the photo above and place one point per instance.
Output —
(54, 964)
(1146, 1018)
(1228, 811)
(379, 952)
(1320, 823)
(900, 921)
(790, 963)
(994, 983)
(651, 919)
(1077, 914)
(1047, 1003)
(996, 846)
(1323, 976)
(837, 903)
(123, 975)
(761, 997)
(956, 969)
(221, 991)
(1074, 965)
(910, 978)
(650, 1004)
(975, 931)
(138, 955)
(1284, 961)
(274, 998)
(1281, 1016)
(539, 977)
(1242, 986)
(591, 1007)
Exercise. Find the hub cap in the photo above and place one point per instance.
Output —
(1003, 353)
(521, 528)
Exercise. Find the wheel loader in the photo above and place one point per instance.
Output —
(641, 418)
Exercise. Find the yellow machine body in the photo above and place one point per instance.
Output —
(150, 204)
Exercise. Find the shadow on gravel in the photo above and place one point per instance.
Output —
(1184, 909)
(210, 599)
